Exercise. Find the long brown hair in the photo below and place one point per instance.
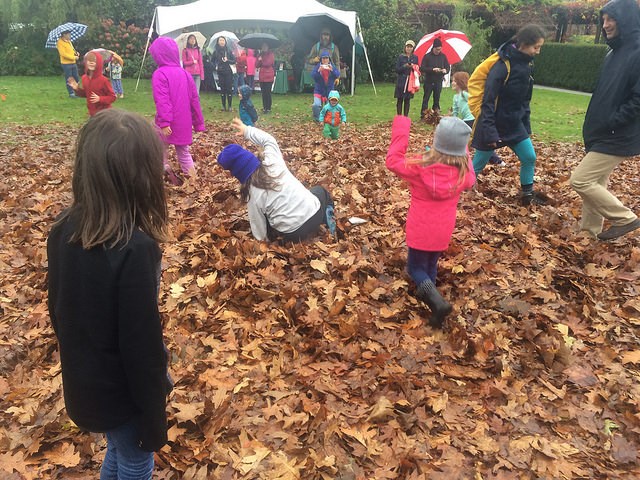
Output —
(462, 80)
(117, 181)
(461, 162)
(261, 178)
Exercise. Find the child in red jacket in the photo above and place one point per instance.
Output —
(95, 86)
(436, 180)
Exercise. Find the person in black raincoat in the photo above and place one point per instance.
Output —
(404, 66)
(611, 128)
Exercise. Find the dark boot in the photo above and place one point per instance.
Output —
(440, 308)
(533, 198)
(224, 102)
(229, 100)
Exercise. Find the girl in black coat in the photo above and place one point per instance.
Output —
(104, 274)
(504, 118)
(404, 65)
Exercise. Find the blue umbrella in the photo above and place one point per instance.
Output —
(76, 29)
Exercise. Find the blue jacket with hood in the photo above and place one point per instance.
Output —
(509, 122)
(612, 123)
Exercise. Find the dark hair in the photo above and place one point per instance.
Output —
(195, 45)
(261, 178)
(118, 183)
(529, 35)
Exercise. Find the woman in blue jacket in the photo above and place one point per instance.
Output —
(504, 118)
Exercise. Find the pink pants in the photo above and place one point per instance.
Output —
(184, 158)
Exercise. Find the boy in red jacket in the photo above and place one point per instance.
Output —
(96, 88)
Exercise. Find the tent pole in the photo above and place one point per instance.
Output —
(366, 56)
(353, 68)
(146, 47)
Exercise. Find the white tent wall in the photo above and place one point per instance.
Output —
(208, 16)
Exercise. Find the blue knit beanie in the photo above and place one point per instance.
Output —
(240, 162)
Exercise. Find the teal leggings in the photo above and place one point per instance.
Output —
(525, 152)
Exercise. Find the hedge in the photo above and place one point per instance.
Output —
(565, 65)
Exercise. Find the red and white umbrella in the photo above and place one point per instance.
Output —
(455, 45)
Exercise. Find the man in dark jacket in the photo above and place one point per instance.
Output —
(611, 128)
(434, 66)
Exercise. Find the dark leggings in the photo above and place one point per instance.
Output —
(310, 227)
(400, 110)
(422, 265)
(225, 82)
(265, 89)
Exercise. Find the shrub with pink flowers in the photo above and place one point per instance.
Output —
(128, 41)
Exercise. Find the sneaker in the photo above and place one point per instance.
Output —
(73, 95)
(330, 219)
(616, 231)
(533, 198)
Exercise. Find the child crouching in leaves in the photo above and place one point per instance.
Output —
(332, 115)
(436, 180)
(279, 205)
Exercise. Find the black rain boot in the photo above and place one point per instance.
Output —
(229, 100)
(440, 308)
(224, 102)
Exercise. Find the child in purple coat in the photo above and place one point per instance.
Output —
(436, 180)
(177, 103)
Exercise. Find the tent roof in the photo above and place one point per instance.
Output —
(171, 20)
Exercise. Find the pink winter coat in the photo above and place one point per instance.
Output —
(192, 61)
(251, 63)
(175, 95)
(434, 193)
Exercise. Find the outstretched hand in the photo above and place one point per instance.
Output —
(239, 126)
(72, 83)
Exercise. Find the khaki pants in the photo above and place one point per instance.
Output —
(589, 180)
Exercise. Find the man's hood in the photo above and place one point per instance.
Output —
(627, 15)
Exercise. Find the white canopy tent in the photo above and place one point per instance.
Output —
(207, 16)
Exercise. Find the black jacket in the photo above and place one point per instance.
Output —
(403, 72)
(612, 123)
(509, 123)
(431, 61)
(103, 305)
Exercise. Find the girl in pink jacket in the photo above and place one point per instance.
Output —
(436, 180)
(178, 110)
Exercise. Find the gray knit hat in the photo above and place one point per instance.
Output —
(452, 136)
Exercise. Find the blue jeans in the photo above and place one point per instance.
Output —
(422, 265)
(125, 460)
(526, 154)
(70, 70)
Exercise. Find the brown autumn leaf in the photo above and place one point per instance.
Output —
(282, 367)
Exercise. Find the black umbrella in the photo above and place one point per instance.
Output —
(255, 41)
(306, 32)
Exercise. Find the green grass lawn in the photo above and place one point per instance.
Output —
(556, 116)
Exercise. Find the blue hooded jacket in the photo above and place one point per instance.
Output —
(612, 123)
(248, 113)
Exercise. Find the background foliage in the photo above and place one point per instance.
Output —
(121, 25)
(569, 66)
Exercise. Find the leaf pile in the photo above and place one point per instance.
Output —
(314, 361)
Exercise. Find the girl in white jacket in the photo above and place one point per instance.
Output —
(279, 205)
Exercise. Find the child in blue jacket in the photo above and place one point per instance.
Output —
(332, 115)
(248, 113)
(324, 75)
